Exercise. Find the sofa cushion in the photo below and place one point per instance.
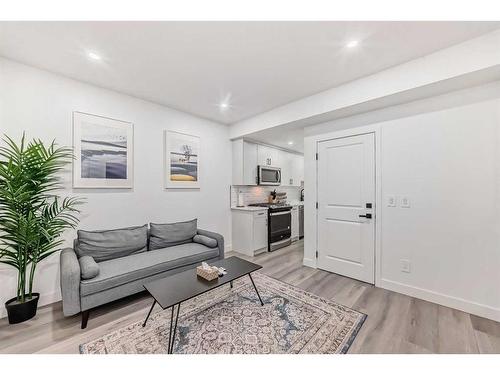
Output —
(121, 271)
(88, 267)
(204, 240)
(166, 235)
(111, 244)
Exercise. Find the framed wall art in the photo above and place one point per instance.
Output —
(182, 160)
(103, 150)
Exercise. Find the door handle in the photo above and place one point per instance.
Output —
(368, 216)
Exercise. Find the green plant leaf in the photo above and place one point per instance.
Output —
(32, 216)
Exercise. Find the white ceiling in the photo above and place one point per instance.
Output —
(193, 66)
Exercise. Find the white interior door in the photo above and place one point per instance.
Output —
(346, 193)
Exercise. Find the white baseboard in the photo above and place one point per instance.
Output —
(308, 262)
(470, 307)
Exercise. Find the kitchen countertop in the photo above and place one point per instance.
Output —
(253, 208)
(249, 208)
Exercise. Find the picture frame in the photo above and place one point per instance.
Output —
(181, 160)
(104, 152)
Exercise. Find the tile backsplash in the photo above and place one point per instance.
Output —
(259, 194)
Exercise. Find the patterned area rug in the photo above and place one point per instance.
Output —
(227, 320)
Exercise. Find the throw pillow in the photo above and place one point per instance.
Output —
(110, 244)
(88, 267)
(166, 235)
(204, 240)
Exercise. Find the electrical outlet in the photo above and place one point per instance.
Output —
(405, 265)
(391, 201)
(405, 202)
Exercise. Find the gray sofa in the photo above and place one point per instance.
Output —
(104, 266)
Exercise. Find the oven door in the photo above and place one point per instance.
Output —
(280, 225)
(269, 175)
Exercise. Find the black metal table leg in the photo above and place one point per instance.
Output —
(171, 348)
(149, 313)
(256, 291)
(170, 329)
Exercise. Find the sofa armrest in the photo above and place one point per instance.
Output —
(216, 236)
(70, 282)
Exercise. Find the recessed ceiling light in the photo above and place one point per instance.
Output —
(93, 56)
(290, 143)
(225, 102)
(352, 44)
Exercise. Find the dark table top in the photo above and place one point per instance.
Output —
(182, 286)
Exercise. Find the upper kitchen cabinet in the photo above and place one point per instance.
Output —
(244, 163)
(286, 168)
(247, 156)
(269, 156)
(292, 169)
(297, 169)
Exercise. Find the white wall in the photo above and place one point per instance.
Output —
(42, 103)
(448, 162)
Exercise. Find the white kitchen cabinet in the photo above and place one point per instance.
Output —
(259, 230)
(247, 156)
(287, 159)
(292, 169)
(295, 223)
(263, 155)
(268, 156)
(244, 163)
(297, 169)
(249, 231)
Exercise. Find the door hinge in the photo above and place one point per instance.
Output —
(317, 205)
(316, 156)
(317, 254)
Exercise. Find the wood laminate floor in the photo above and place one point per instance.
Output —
(396, 323)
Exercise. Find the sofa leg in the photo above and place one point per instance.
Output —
(85, 318)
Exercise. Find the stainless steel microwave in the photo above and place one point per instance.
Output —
(269, 175)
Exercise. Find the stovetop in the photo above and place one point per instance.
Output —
(271, 206)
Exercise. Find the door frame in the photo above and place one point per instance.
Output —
(311, 144)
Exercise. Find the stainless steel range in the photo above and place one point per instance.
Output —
(279, 232)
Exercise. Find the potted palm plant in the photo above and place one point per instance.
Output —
(32, 216)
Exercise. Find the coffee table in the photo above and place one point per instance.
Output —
(171, 291)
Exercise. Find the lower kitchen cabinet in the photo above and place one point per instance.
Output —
(249, 231)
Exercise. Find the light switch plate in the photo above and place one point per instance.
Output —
(405, 202)
(391, 201)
